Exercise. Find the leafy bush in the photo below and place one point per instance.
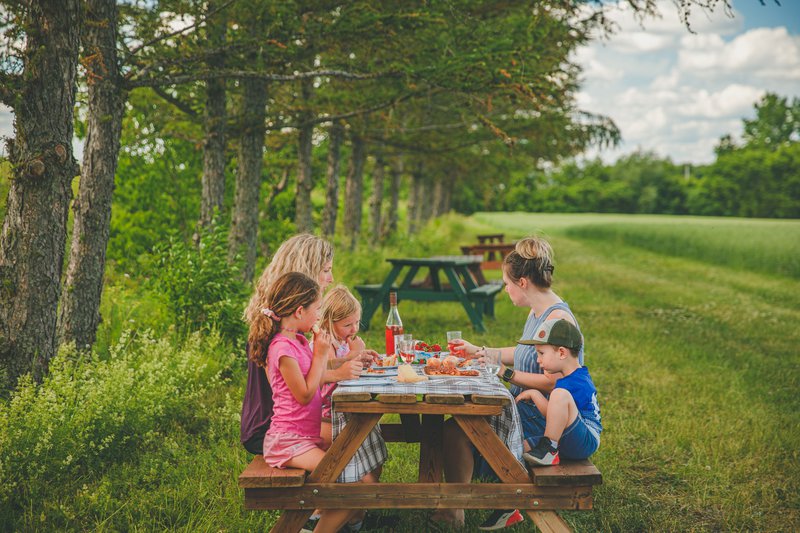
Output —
(91, 413)
(202, 288)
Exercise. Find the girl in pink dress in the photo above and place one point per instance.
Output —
(278, 344)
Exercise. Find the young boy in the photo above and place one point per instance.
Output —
(572, 413)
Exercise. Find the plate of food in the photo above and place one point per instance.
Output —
(379, 371)
(448, 367)
(386, 362)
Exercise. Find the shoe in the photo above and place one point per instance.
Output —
(501, 519)
(543, 454)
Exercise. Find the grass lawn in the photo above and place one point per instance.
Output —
(697, 368)
(694, 355)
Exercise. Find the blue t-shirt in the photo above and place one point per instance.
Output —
(583, 391)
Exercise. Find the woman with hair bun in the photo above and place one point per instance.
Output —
(528, 276)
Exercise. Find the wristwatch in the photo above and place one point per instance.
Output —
(508, 374)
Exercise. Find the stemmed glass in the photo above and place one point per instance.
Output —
(405, 348)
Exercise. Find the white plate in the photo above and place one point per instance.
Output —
(372, 381)
(447, 376)
(387, 372)
(392, 367)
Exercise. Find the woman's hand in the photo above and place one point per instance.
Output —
(348, 370)
(364, 356)
(470, 350)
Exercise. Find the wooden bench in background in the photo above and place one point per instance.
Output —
(491, 238)
(493, 254)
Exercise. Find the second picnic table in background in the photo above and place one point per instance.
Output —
(464, 284)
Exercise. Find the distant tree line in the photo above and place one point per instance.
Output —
(760, 177)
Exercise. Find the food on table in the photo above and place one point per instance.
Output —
(450, 371)
(375, 371)
(390, 360)
(450, 361)
(434, 362)
(406, 374)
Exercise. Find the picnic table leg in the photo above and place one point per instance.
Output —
(431, 461)
(473, 311)
(336, 458)
(507, 468)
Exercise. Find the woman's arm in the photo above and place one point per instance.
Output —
(530, 380)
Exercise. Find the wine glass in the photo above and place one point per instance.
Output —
(406, 350)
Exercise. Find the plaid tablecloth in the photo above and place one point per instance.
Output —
(372, 452)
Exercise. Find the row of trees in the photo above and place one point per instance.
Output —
(426, 90)
(758, 177)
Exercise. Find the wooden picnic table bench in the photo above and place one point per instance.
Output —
(540, 491)
(464, 284)
(493, 254)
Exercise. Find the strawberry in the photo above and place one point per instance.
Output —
(436, 348)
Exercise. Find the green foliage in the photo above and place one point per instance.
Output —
(5, 185)
(202, 288)
(777, 123)
(93, 414)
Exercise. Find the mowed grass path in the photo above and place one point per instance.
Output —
(697, 368)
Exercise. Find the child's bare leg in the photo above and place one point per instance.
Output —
(561, 412)
(326, 433)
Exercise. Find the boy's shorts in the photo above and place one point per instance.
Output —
(578, 441)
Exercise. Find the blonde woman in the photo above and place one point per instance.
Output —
(312, 256)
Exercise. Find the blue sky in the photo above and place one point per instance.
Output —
(673, 92)
(676, 93)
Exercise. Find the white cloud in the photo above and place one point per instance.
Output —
(678, 99)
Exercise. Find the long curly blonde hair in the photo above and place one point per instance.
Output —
(532, 258)
(304, 253)
(289, 292)
(339, 303)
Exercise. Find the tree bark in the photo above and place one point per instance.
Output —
(79, 312)
(243, 236)
(396, 172)
(213, 180)
(376, 198)
(336, 133)
(34, 230)
(305, 182)
(354, 191)
(414, 200)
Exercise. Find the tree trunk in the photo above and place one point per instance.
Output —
(336, 133)
(390, 228)
(438, 197)
(213, 181)
(414, 200)
(79, 312)
(354, 191)
(244, 223)
(35, 227)
(305, 182)
(376, 198)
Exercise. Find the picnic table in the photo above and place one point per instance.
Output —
(491, 238)
(492, 253)
(481, 406)
(464, 283)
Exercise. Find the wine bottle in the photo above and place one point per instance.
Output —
(394, 326)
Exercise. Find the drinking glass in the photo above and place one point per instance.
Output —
(456, 349)
(406, 350)
(491, 359)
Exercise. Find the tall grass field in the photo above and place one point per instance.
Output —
(692, 336)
